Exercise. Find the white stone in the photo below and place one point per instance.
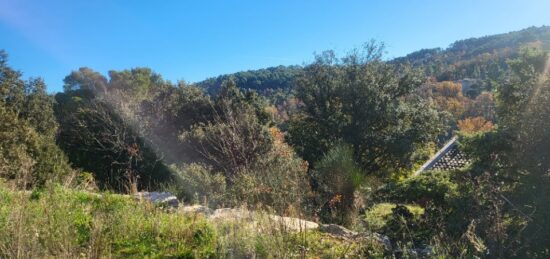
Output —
(294, 224)
(196, 209)
(161, 198)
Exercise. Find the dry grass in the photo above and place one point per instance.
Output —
(66, 223)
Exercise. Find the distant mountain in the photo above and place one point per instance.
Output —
(479, 59)
(262, 80)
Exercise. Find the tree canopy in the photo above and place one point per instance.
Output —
(367, 103)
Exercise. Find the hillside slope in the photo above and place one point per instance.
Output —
(478, 58)
(262, 80)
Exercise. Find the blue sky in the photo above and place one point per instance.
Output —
(193, 40)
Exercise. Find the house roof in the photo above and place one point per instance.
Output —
(447, 158)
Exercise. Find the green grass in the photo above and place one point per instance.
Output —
(56, 222)
(377, 216)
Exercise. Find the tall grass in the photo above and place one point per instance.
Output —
(263, 236)
(57, 222)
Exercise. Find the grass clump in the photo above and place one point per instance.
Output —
(58, 222)
(378, 215)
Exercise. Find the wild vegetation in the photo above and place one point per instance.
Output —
(336, 141)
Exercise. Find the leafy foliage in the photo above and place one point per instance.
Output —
(258, 167)
(500, 204)
(28, 152)
(366, 103)
(475, 125)
(235, 137)
(26, 156)
(99, 141)
(523, 111)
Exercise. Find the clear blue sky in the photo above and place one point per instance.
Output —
(193, 40)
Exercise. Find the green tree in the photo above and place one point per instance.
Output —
(12, 87)
(85, 79)
(367, 103)
(235, 137)
(237, 142)
(27, 131)
(38, 109)
(523, 111)
(100, 141)
(27, 157)
(508, 179)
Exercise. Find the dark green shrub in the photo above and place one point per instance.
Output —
(27, 157)
(99, 140)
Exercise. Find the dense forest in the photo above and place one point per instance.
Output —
(335, 141)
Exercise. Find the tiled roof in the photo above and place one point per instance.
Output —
(448, 158)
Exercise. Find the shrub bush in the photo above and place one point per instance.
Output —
(26, 156)
(276, 180)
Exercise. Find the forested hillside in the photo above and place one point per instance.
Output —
(478, 58)
(264, 80)
(336, 141)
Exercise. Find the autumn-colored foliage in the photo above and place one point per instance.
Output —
(475, 125)
(447, 96)
(279, 145)
(483, 105)
(448, 89)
